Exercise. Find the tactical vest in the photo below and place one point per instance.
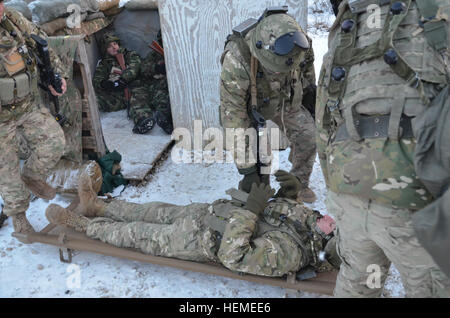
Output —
(18, 76)
(376, 78)
(276, 218)
(275, 94)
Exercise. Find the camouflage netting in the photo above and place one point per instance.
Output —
(142, 5)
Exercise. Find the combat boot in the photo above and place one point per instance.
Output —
(21, 224)
(165, 122)
(89, 204)
(38, 186)
(307, 195)
(144, 125)
(57, 215)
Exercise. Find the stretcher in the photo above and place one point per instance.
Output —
(68, 241)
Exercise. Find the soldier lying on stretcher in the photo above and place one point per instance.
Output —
(255, 236)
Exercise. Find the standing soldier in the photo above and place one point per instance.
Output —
(120, 86)
(276, 46)
(374, 81)
(21, 112)
(153, 70)
(248, 234)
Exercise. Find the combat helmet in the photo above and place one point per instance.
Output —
(278, 42)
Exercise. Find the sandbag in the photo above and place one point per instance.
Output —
(20, 6)
(44, 11)
(104, 5)
(432, 227)
(50, 28)
(138, 5)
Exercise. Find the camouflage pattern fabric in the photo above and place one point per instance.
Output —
(279, 99)
(27, 117)
(158, 89)
(370, 234)
(378, 169)
(262, 247)
(114, 101)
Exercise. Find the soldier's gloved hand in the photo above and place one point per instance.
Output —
(290, 185)
(258, 198)
(250, 178)
(160, 69)
(309, 99)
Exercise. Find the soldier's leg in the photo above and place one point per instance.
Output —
(153, 212)
(421, 277)
(184, 238)
(46, 140)
(15, 195)
(364, 265)
(300, 130)
(139, 105)
(110, 101)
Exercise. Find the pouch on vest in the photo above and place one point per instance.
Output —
(13, 63)
(432, 154)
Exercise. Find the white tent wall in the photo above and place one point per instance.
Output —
(194, 33)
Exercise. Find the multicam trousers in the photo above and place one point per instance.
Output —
(370, 238)
(46, 141)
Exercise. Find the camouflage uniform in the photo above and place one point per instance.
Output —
(368, 165)
(158, 89)
(279, 99)
(21, 112)
(113, 101)
(222, 232)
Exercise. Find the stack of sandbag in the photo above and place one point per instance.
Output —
(44, 11)
(139, 5)
(54, 19)
(20, 6)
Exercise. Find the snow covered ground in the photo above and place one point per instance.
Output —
(35, 270)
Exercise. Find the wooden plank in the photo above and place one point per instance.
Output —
(99, 144)
(89, 143)
(194, 33)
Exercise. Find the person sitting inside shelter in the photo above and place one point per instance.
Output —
(118, 84)
(247, 234)
(153, 70)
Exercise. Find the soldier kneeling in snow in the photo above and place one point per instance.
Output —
(250, 235)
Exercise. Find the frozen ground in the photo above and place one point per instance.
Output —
(35, 270)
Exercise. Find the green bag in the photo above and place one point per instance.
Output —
(432, 154)
(110, 181)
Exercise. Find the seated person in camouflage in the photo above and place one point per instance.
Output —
(153, 70)
(112, 85)
(247, 234)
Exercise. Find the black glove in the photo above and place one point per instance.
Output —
(246, 183)
(309, 99)
(290, 185)
(144, 125)
(258, 197)
(160, 69)
(111, 86)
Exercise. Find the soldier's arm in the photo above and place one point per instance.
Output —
(133, 67)
(30, 28)
(322, 121)
(234, 94)
(273, 254)
(148, 65)
(101, 74)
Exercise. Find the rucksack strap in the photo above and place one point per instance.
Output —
(434, 24)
